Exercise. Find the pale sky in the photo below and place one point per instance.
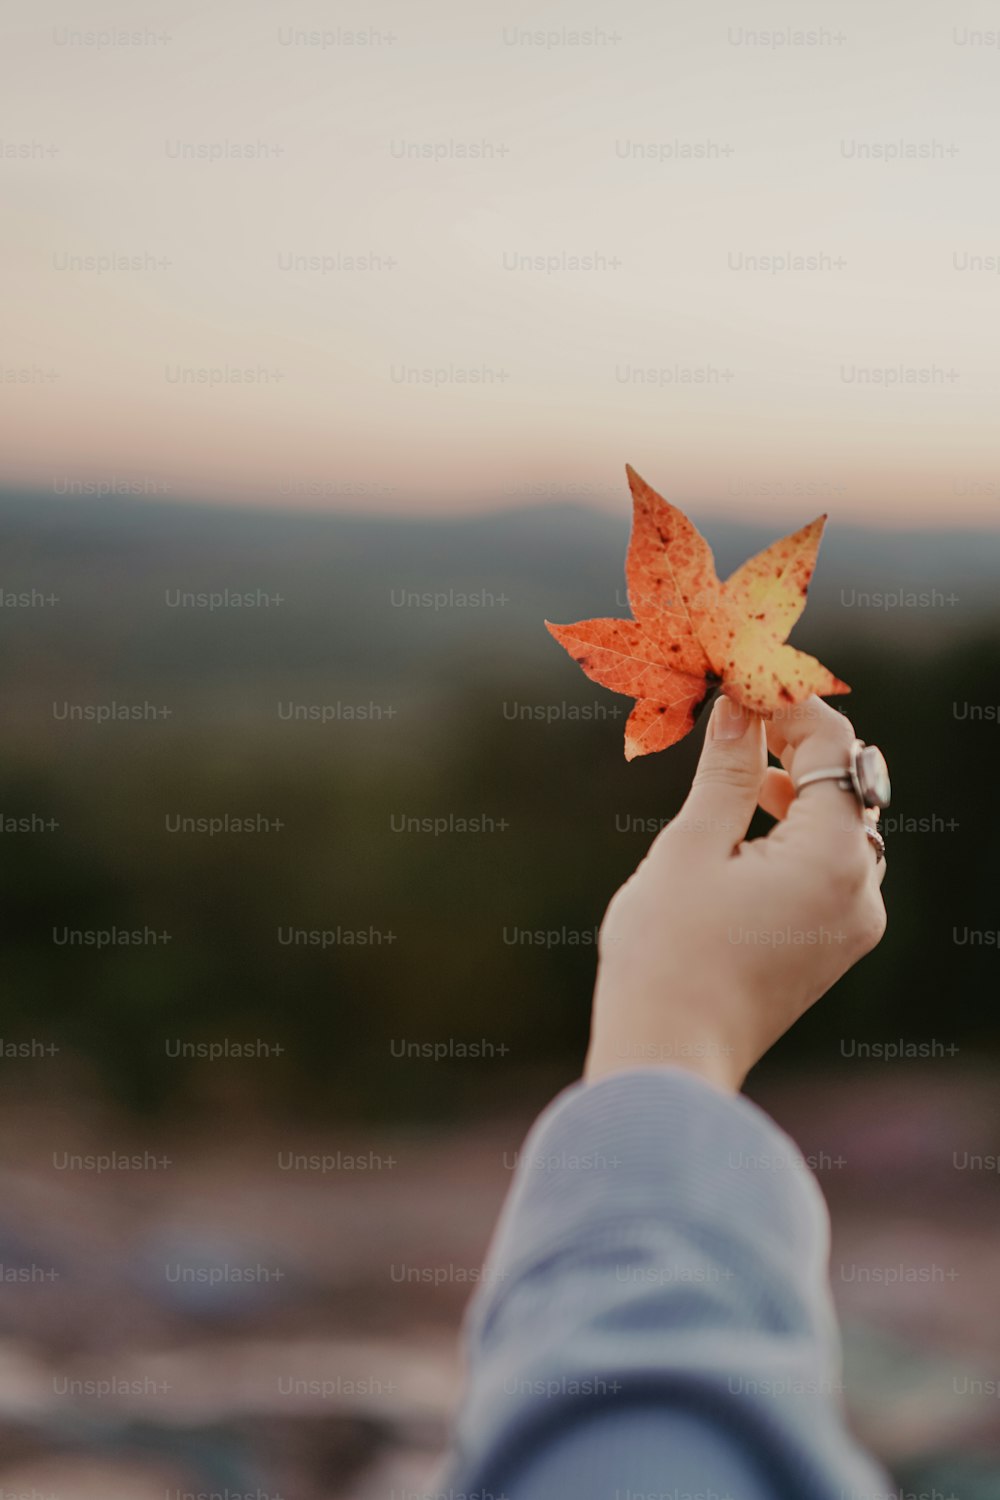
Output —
(477, 153)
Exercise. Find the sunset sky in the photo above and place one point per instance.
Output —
(567, 214)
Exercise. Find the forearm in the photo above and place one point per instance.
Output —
(655, 1313)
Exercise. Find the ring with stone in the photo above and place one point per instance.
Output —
(866, 775)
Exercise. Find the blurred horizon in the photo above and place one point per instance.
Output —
(795, 503)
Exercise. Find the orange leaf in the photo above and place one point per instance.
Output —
(692, 633)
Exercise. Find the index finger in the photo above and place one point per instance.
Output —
(812, 736)
(795, 731)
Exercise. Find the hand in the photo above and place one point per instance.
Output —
(715, 946)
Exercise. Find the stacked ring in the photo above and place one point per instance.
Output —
(867, 777)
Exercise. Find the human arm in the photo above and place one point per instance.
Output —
(655, 1315)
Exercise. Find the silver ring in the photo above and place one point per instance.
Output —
(877, 842)
(866, 775)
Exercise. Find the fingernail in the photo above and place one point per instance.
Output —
(729, 719)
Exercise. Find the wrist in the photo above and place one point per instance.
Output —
(714, 1061)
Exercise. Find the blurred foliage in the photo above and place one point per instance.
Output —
(452, 901)
(450, 748)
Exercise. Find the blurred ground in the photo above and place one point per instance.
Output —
(239, 1319)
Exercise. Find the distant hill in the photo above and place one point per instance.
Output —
(376, 600)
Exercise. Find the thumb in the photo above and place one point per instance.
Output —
(727, 783)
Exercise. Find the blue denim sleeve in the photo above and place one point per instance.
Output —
(654, 1319)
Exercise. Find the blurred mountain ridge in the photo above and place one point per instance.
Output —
(376, 595)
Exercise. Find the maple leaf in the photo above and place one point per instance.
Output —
(691, 632)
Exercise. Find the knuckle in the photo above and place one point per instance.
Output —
(872, 924)
(619, 901)
(845, 722)
(663, 849)
(743, 777)
(816, 717)
(842, 730)
(822, 722)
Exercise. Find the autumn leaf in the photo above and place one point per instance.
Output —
(692, 633)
